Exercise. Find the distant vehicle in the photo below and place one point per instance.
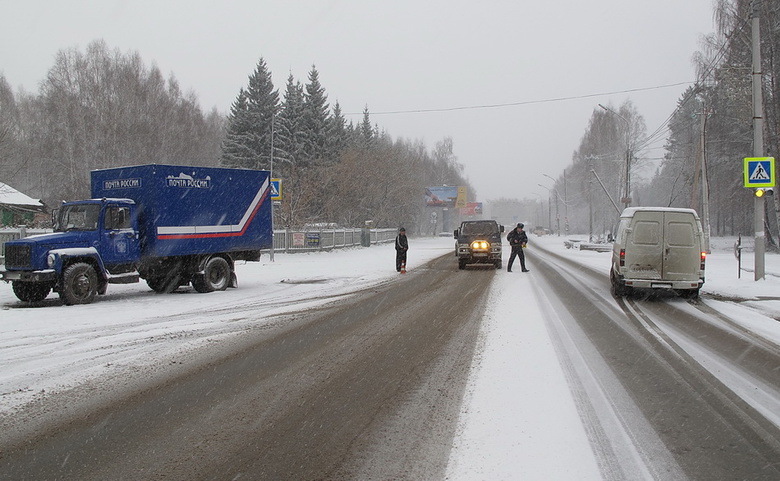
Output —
(658, 248)
(478, 242)
(170, 225)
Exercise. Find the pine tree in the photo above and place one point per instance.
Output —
(315, 113)
(338, 135)
(248, 144)
(291, 134)
(366, 130)
(235, 147)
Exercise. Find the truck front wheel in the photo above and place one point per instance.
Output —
(79, 284)
(216, 276)
(31, 291)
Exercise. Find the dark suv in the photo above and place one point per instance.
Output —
(478, 242)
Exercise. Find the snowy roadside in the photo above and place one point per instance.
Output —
(49, 348)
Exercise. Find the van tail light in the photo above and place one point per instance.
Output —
(703, 258)
(623, 258)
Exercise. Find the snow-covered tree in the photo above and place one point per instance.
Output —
(248, 140)
(315, 115)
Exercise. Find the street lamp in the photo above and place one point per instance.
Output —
(557, 196)
(627, 198)
(549, 211)
(540, 213)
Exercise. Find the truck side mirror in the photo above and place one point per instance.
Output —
(501, 228)
(455, 233)
(55, 213)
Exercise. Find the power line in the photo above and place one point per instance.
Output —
(525, 102)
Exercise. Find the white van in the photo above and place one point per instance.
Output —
(658, 248)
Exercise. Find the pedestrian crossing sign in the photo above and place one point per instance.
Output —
(276, 189)
(759, 172)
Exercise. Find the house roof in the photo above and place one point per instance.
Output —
(13, 198)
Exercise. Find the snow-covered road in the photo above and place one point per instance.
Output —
(519, 415)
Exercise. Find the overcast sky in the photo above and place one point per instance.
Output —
(404, 55)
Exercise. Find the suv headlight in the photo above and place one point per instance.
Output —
(480, 245)
(51, 260)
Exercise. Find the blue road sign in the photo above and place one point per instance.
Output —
(759, 172)
(276, 189)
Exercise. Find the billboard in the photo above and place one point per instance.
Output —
(472, 208)
(441, 196)
(460, 203)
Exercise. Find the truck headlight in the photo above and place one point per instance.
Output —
(51, 259)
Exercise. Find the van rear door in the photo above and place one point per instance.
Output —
(664, 245)
(682, 252)
(645, 246)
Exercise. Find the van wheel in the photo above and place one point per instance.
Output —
(688, 293)
(79, 284)
(216, 276)
(617, 287)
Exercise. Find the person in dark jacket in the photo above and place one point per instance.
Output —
(401, 246)
(517, 240)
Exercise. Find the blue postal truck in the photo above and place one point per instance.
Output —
(169, 225)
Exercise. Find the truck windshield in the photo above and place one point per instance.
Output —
(78, 217)
(479, 228)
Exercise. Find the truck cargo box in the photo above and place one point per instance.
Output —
(193, 210)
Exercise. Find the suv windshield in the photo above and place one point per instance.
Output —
(78, 217)
(479, 228)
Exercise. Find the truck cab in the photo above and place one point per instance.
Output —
(478, 242)
(95, 242)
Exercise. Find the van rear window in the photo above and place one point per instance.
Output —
(680, 234)
(647, 233)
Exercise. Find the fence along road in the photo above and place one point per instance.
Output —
(289, 241)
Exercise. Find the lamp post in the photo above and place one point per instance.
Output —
(565, 206)
(627, 199)
(540, 213)
(557, 197)
(549, 210)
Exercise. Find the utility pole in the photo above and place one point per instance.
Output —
(758, 142)
(626, 200)
(270, 179)
(700, 172)
(705, 186)
(565, 205)
(590, 204)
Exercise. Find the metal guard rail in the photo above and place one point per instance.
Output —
(289, 241)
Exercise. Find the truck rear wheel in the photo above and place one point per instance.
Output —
(31, 291)
(216, 276)
(79, 284)
(165, 284)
